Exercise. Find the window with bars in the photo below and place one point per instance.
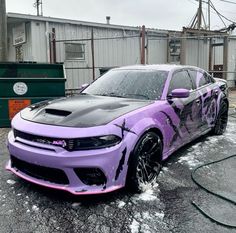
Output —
(74, 51)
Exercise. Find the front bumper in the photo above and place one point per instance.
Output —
(107, 160)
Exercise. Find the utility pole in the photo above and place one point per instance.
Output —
(37, 5)
(199, 16)
(3, 31)
(209, 15)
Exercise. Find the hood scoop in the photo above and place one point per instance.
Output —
(57, 112)
(82, 111)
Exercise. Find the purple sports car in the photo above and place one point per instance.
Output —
(118, 130)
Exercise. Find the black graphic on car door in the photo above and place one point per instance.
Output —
(186, 109)
(208, 93)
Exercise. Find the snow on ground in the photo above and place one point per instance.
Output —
(189, 160)
(148, 220)
(35, 208)
(11, 182)
(134, 227)
(75, 205)
(160, 215)
(149, 192)
(121, 204)
(147, 195)
(210, 144)
(229, 135)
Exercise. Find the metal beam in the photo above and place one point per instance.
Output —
(209, 15)
(3, 31)
(54, 52)
(225, 57)
(143, 45)
(199, 16)
(93, 53)
(204, 32)
(183, 48)
(210, 54)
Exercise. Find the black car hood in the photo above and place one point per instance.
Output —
(81, 111)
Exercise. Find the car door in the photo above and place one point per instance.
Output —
(207, 91)
(197, 104)
(184, 108)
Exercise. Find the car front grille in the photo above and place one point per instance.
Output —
(67, 144)
(43, 173)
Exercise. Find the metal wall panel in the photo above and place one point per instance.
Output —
(231, 77)
(108, 53)
(218, 51)
(217, 55)
(157, 51)
(39, 39)
(197, 53)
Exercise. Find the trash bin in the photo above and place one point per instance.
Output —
(22, 84)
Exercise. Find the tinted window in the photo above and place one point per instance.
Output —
(193, 75)
(210, 78)
(180, 79)
(203, 79)
(137, 84)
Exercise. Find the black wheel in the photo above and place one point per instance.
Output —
(145, 162)
(222, 119)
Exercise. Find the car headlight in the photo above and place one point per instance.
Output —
(93, 142)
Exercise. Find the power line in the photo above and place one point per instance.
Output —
(219, 14)
(228, 1)
(215, 11)
(37, 5)
(211, 10)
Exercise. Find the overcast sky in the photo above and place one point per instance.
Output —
(161, 14)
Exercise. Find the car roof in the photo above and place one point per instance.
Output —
(162, 67)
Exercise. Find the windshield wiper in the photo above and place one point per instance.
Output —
(112, 94)
(144, 96)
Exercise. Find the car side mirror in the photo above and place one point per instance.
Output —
(83, 86)
(180, 93)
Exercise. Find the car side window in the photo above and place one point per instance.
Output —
(203, 79)
(180, 79)
(210, 78)
(193, 75)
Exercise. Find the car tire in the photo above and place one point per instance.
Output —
(145, 162)
(221, 120)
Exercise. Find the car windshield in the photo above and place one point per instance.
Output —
(136, 84)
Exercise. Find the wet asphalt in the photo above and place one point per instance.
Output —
(167, 207)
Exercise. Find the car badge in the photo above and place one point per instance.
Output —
(59, 143)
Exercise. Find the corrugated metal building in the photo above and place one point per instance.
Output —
(122, 47)
(29, 40)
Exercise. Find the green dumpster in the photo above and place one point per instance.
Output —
(22, 84)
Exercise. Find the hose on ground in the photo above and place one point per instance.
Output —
(212, 192)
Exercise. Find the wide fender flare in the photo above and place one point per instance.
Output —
(220, 98)
(139, 128)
